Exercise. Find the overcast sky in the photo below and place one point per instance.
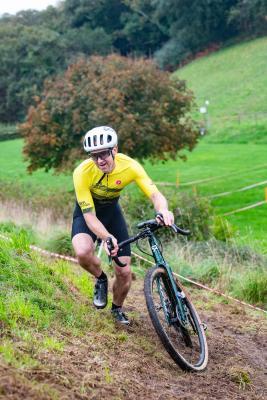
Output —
(13, 6)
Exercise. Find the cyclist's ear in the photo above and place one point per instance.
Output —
(115, 150)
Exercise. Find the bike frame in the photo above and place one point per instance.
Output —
(147, 232)
(160, 262)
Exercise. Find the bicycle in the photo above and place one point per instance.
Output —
(172, 313)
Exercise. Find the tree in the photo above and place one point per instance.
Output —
(146, 107)
(249, 17)
(29, 54)
(192, 25)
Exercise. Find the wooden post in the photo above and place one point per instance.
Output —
(177, 179)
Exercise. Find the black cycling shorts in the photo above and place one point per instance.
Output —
(111, 217)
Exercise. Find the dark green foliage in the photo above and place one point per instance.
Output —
(147, 108)
(192, 26)
(37, 45)
(28, 56)
(248, 17)
(197, 213)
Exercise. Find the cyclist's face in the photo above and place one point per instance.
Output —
(104, 159)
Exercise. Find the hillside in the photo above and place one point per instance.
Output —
(234, 81)
(54, 345)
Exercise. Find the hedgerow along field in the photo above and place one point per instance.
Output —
(229, 167)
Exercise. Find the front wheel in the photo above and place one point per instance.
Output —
(185, 341)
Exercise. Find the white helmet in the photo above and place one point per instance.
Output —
(101, 137)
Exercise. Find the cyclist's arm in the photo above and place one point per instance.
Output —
(161, 206)
(96, 226)
(150, 190)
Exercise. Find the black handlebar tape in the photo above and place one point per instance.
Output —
(110, 248)
(118, 262)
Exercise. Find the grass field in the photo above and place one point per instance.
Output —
(234, 79)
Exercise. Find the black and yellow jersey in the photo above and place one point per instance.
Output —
(91, 184)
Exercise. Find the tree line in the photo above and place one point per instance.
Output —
(36, 45)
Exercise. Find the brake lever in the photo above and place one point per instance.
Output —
(160, 216)
(110, 247)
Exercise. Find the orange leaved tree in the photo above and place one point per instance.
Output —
(149, 111)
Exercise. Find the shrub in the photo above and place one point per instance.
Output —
(252, 287)
(60, 243)
(147, 108)
(222, 229)
(190, 211)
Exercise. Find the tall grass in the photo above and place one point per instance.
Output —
(234, 269)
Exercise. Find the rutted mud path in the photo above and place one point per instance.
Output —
(139, 368)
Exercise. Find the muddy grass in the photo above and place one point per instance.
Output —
(137, 367)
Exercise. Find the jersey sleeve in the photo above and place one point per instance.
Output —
(82, 191)
(143, 180)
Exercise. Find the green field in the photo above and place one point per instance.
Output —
(234, 79)
(222, 167)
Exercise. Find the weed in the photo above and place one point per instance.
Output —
(15, 357)
(51, 343)
(241, 376)
(108, 376)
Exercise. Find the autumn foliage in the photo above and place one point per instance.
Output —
(147, 109)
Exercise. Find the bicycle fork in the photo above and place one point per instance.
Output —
(181, 315)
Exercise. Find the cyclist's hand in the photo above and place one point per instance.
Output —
(167, 217)
(113, 252)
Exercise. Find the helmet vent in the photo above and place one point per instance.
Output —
(95, 140)
(101, 139)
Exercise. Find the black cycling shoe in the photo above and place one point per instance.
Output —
(120, 317)
(101, 293)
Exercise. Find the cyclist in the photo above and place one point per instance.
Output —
(98, 182)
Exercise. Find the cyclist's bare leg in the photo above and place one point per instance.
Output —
(122, 282)
(84, 249)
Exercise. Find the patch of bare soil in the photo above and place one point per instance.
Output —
(136, 366)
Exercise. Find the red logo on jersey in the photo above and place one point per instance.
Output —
(118, 182)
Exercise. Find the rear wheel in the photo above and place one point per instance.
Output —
(185, 341)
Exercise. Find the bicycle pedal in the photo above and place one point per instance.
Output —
(205, 327)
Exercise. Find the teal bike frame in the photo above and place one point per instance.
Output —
(160, 262)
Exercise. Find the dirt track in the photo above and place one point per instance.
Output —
(139, 368)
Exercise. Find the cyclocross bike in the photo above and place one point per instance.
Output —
(173, 315)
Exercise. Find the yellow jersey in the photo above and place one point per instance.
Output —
(91, 183)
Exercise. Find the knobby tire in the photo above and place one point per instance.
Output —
(182, 344)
